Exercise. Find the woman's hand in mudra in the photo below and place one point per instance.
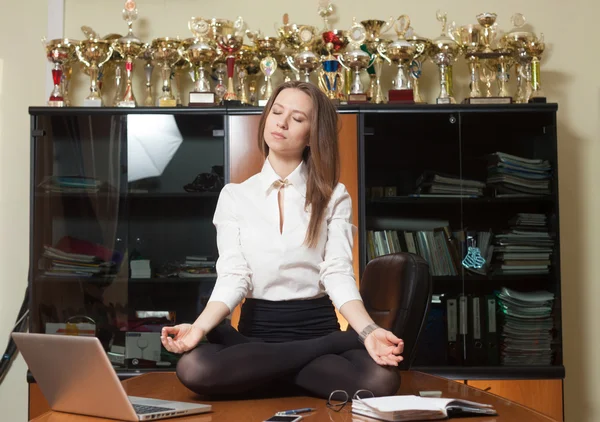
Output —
(185, 337)
(384, 347)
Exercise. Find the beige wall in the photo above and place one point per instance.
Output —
(568, 78)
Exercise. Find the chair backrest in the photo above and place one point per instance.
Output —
(396, 290)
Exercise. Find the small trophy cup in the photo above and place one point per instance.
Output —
(166, 53)
(536, 48)
(199, 54)
(444, 52)
(417, 64)
(60, 52)
(266, 47)
(130, 47)
(248, 65)
(519, 41)
(469, 37)
(93, 53)
(305, 61)
(147, 55)
(230, 39)
(357, 60)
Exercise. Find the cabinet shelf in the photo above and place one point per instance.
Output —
(112, 279)
(456, 200)
(494, 372)
(130, 196)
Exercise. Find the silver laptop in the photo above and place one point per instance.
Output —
(75, 376)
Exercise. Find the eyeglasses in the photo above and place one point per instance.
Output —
(339, 398)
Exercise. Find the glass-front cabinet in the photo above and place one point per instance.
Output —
(122, 240)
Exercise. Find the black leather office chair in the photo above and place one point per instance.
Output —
(396, 290)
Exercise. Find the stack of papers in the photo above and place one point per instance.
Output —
(511, 175)
(526, 333)
(525, 248)
(415, 408)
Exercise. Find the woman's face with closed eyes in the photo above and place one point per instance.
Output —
(287, 127)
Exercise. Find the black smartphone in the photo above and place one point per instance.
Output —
(284, 418)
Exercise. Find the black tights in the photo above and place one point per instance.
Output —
(234, 363)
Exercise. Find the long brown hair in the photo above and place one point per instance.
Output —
(321, 156)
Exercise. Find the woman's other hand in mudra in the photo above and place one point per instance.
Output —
(185, 337)
(384, 347)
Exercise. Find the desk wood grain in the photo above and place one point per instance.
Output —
(166, 386)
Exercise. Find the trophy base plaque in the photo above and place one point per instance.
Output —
(92, 102)
(202, 99)
(401, 96)
(126, 104)
(335, 101)
(488, 100)
(357, 98)
(538, 100)
(163, 102)
(262, 103)
(233, 102)
(445, 101)
(56, 103)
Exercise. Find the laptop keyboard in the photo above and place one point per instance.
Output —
(141, 409)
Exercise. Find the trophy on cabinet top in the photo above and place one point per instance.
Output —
(305, 60)
(93, 53)
(416, 67)
(519, 41)
(290, 44)
(444, 51)
(130, 47)
(229, 36)
(358, 60)
(402, 53)
(199, 54)
(60, 52)
(165, 51)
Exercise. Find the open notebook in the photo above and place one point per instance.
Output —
(415, 408)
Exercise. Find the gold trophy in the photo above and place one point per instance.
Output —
(519, 41)
(417, 64)
(230, 38)
(469, 37)
(59, 52)
(199, 54)
(375, 28)
(248, 65)
(266, 47)
(93, 53)
(402, 53)
(444, 52)
(147, 55)
(166, 53)
(356, 59)
(130, 48)
(305, 61)
(536, 49)
(289, 37)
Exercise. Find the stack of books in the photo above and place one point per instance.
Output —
(70, 184)
(525, 248)
(526, 327)
(437, 184)
(197, 267)
(512, 176)
(68, 264)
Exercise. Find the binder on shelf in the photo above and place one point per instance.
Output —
(454, 353)
(476, 349)
(491, 331)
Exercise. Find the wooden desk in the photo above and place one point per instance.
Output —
(167, 387)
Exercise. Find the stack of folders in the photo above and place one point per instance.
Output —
(513, 176)
(471, 329)
(526, 327)
(438, 184)
(526, 247)
(415, 408)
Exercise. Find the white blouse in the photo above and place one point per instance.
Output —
(256, 260)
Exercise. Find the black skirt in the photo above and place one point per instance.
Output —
(287, 320)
